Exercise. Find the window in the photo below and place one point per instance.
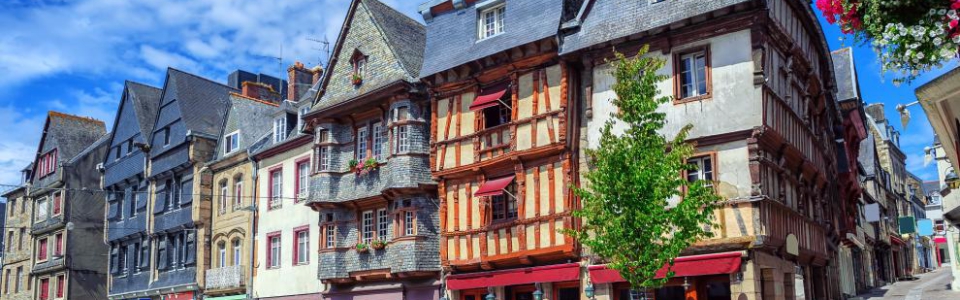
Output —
(23, 231)
(129, 146)
(131, 194)
(382, 224)
(403, 139)
(17, 285)
(330, 236)
(359, 64)
(42, 209)
(162, 253)
(6, 282)
(231, 142)
(704, 169)
(47, 163)
(237, 192)
(303, 179)
(60, 282)
(222, 249)
(118, 152)
(57, 203)
(378, 141)
(168, 196)
(504, 206)
(136, 257)
(42, 249)
(300, 113)
(13, 204)
(367, 228)
(223, 197)
(276, 188)
(236, 252)
(279, 129)
(58, 244)
(491, 21)
(166, 136)
(9, 241)
(361, 142)
(693, 75)
(122, 260)
(44, 289)
(301, 244)
(408, 222)
(323, 152)
(273, 252)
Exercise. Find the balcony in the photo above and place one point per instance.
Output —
(493, 142)
(225, 278)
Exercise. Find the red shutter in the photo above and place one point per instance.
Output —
(296, 239)
(56, 204)
(44, 289)
(42, 252)
(58, 248)
(60, 280)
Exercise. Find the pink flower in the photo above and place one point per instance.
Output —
(955, 5)
(953, 24)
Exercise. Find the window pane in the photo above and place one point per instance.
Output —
(701, 74)
(408, 223)
(361, 143)
(382, 224)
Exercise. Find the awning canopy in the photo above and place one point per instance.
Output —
(489, 98)
(686, 266)
(552, 273)
(494, 187)
(939, 240)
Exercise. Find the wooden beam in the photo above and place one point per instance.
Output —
(446, 134)
(546, 102)
(536, 105)
(459, 113)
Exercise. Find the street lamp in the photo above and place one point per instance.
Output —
(538, 294)
(490, 294)
(589, 291)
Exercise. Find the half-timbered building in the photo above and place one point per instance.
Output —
(501, 148)
(755, 80)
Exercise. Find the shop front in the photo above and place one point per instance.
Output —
(697, 277)
(178, 296)
(560, 282)
(426, 289)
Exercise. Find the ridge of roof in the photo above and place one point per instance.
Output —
(75, 117)
(383, 15)
(241, 96)
(200, 77)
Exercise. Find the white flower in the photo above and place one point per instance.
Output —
(952, 14)
(937, 41)
(920, 55)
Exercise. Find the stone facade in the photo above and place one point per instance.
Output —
(17, 264)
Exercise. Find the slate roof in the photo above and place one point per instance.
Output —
(931, 187)
(203, 102)
(72, 133)
(147, 101)
(868, 155)
(93, 147)
(405, 36)
(452, 35)
(608, 20)
(251, 117)
(846, 74)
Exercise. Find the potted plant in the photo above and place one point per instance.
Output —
(362, 248)
(357, 79)
(361, 168)
(371, 164)
(353, 164)
(378, 245)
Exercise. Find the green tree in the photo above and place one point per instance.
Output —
(628, 218)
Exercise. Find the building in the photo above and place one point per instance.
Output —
(854, 253)
(18, 248)
(934, 211)
(287, 231)
(67, 228)
(371, 189)
(877, 229)
(920, 245)
(124, 179)
(184, 136)
(939, 102)
(234, 177)
(503, 137)
(775, 162)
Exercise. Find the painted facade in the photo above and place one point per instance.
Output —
(18, 247)
(773, 163)
(371, 189)
(124, 180)
(68, 221)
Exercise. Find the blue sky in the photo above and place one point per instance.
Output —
(73, 56)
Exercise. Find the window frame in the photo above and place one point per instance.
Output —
(364, 225)
(222, 253)
(378, 140)
(42, 247)
(323, 151)
(275, 188)
(224, 190)
(237, 246)
(507, 200)
(361, 138)
(382, 224)
(297, 240)
(231, 142)
(274, 254)
(678, 57)
(498, 11)
(279, 129)
(57, 204)
(237, 192)
(700, 157)
(301, 179)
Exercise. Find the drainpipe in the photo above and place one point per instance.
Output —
(253, 220)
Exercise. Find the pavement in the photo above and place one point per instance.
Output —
(929, 286)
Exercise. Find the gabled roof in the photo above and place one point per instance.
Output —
(92, 147)
(250, 117)
(848, 88)
(868, 155)
(452, 35)
(147, 100)
(72, 133)
(368, 25)
(203, 102)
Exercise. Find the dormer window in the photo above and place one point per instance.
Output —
(300, 113)
(231, 142)
(359, 63)
(279, 129)
(491, 21)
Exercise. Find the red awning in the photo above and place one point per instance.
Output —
(695, 265)
(553, 273)
(494, 187)
(939, 240)
(488, 98)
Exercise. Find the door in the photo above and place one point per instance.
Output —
(524, 292)
(476, 294)
(567, 291)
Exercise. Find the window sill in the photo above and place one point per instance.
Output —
(489, 37)
(301, 264)
(686, 100)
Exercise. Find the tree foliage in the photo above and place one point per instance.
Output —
(628, 217)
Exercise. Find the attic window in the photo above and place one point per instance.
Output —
(231, 142)
(279, 129)
(490, 22)
(359, 63)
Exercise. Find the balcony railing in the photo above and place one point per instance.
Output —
(225, 278)
(494, 141)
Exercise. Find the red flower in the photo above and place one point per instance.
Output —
(955, 5)
(953, 24)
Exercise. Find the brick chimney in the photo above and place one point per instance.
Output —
(260, 91)
(317, 73)
(299, 81)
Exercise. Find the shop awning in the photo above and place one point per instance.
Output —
(939, 240)
(685, 266)
(489, 98)
(552, 273)
(494, 187)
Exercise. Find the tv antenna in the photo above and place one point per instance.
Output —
(324, 48)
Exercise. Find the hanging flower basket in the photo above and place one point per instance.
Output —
(362, 248)
(909, 36)
(371, 164)
(378, 245)
(356, 79)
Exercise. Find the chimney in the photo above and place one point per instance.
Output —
(299, 81)
(876, 112)
(260, 91)
(317, 73)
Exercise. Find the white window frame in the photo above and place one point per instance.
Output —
(408, 223)
(323, 153)
(231, 142)
(222, 249)
(701, 174)
(403, 139)
(237, 192)
(237, 251)
(274, 259)
(276, 191)
(383, 224)
(378, 140)
(362, 143)
(493, 14)
(224, 190)
(300, 113)
(689, 61)
(303, 180)
(303, 247)
(331, 236)
(279, 129)
(368, 229)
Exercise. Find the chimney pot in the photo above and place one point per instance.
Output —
(299, 81)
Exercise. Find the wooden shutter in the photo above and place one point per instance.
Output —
(186, 192)
(191, 250)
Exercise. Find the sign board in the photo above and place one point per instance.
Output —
(907, 225)
(872, 212)
(925, 227)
